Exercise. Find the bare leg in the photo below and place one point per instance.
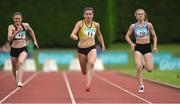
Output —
(21, 60)
(139, 66)
(83, 63)
(91, 57)
(14, 62)
(148, 62)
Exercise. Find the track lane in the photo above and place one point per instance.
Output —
(154, 92)
(4, 74)
(101, 92)
(8, 84)
(52, 88)
(45, 88)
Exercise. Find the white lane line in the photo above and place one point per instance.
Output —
(119, 87)
(18, 88)
(5, 75)
(69, 88)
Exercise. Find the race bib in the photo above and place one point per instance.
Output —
(142, 33)
(90, 32)
(21, 35)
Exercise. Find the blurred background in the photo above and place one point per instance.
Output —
(53, 21)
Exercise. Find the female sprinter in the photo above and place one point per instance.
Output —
(142, 47)
(17, 35)
(86, 30)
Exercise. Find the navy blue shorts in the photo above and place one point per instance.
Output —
(143, 48)
(16, 51)
(85, 51)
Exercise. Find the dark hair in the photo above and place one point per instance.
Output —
(88, 8)
(17, 13)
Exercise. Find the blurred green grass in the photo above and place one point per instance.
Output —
(166, 76)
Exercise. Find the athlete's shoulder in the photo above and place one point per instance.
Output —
(11, 26)
(25, 24)
(132, 26)
(96, 24)
(149, 24)
(79, 23)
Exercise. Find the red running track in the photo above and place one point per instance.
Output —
(69, 87)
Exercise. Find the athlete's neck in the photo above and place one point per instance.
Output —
(88, 22)
(141, 22)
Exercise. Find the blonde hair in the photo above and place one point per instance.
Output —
(145, 14)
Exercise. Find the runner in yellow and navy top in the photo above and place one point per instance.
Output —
(87, 29)
(142, 48)
(17, 36)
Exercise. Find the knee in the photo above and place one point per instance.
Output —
(14, 69)
(149, 69)
(20, 62)
(84, 71)
(91, 64)
(139, 68)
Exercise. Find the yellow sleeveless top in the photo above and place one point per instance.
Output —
(86, 31)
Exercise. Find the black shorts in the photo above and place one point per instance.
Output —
(143, 48)
(16, 51)
(85, 51)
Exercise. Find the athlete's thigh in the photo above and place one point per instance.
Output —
(91, 57)
(138, 58)
(82, 60)
(14, 61)
(22, 57)
(148, 60)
